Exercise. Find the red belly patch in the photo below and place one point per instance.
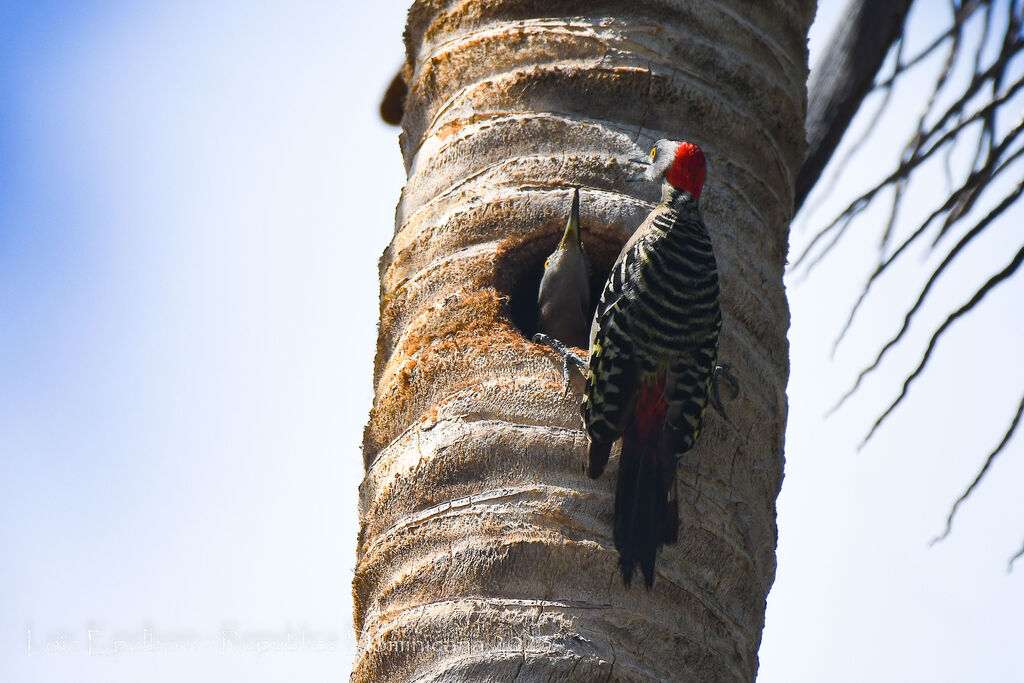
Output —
(651, 408)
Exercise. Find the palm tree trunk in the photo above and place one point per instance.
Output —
(484, 551)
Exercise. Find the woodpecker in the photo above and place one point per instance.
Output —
(653, 353)
(563, 301)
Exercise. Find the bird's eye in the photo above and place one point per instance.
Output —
(547, 262)
(654, 151)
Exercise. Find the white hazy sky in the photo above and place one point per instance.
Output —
(193, 199)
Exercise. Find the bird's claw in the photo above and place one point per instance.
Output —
(567, 356)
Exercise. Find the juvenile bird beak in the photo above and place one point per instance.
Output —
(572, 226)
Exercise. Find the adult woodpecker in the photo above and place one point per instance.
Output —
(653, 352)
(563, 302)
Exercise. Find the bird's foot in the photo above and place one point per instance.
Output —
(568, 357)
(724, 371)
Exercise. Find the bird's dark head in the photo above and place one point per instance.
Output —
(681, 164)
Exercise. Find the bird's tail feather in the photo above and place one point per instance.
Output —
(646, 511)
(597, 457)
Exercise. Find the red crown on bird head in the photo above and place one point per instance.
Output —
(688, 169)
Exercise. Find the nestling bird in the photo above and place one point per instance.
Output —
(563, 301)
(653, 353)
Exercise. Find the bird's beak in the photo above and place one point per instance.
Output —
(572, 226)
(642, 174)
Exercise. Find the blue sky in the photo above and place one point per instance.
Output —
(193, 199)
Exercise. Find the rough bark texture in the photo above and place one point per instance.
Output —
(484, 551)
